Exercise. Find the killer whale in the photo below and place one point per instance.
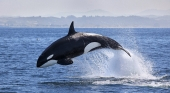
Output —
(74, 44)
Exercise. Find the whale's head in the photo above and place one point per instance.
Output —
(46, 59)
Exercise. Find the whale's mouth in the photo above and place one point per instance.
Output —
(40, 63)
(46, 64)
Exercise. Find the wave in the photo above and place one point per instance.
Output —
(135, 82)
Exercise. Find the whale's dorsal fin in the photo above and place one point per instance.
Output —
(71, 29)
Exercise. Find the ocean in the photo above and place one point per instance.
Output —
(99, 71)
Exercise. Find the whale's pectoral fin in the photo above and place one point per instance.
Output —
(66, 61)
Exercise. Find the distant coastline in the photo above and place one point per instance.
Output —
(87, 22)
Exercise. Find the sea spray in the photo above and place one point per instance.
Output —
(116, 63)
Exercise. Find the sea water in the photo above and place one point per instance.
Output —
(100, 71)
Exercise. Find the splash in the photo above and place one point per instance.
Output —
(116, 63)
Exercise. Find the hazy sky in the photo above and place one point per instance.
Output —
(73, 7)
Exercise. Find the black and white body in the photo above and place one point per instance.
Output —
(75, 44)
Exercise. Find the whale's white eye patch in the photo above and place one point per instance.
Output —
(91, 46)
(49, 57)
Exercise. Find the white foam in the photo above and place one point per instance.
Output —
(116, 63)
(107, 66)
(133, 82)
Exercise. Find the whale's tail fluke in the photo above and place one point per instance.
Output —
(124, 50)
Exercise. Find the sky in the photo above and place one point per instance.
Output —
(58, 8)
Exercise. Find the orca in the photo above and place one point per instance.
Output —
(75, 44)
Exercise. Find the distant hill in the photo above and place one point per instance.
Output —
(87, 22)
(154, 12)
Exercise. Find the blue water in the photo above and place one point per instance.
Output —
(100, 71)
